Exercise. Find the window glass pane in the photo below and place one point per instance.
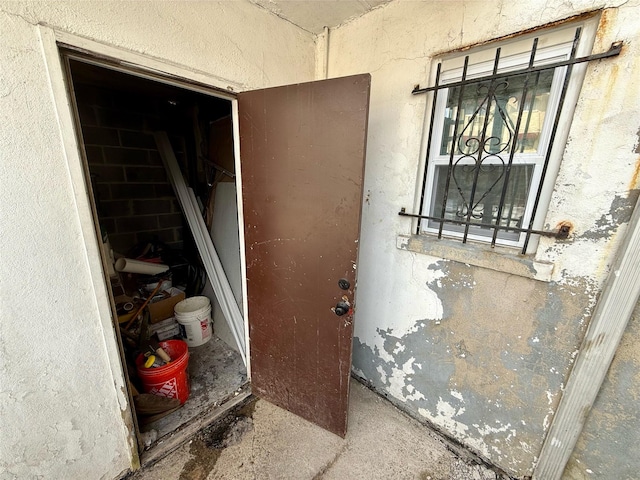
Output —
(486, 198)
(489, 113)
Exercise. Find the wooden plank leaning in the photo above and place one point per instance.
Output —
(208, 254)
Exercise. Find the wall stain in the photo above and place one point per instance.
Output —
(553, 24)
(633, 184)
(604, 26)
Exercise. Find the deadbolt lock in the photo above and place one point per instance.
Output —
(344, 284)
(342, 308)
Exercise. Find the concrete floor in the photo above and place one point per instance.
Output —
(216, 371)
(266, 442)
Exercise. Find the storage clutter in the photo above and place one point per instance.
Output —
(163, 225)
(158, 324)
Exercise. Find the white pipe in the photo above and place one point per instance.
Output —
(129, 265)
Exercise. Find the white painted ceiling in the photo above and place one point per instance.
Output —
(314, 15)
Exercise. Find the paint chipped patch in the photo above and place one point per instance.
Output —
(445, 418)
(456, 394)
(550, 396)
(402, 242)
(398, 383)
(545, 422)
(501, 389)
(525, 446)
(619, 213)
(407, 367)
(488, 429)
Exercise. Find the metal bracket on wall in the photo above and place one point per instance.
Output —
(562, 233)
(614, 50)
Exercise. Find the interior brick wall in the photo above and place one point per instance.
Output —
(134, 198)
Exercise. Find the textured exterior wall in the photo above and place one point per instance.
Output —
(61, 387)
(481, 354)
(608, 446)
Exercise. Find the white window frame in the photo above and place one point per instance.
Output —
(554, 45)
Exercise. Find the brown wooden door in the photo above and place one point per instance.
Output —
(302, 150)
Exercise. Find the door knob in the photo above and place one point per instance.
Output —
(342, 308)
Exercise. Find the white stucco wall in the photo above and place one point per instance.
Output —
(61, 387)
(488, 374)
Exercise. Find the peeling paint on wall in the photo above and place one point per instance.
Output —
(619, 213)
(495, 354)
(489, 352)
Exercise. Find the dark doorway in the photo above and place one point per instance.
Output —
(138, 215)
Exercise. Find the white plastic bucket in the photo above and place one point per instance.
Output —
(194, 316)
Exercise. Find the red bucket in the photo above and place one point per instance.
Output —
(169, 380)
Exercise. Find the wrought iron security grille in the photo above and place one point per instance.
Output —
(489, 121)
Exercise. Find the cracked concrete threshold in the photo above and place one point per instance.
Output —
(266, 442)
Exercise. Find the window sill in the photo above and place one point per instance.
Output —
(498, 258)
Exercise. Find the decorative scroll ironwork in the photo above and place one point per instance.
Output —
(482, 146)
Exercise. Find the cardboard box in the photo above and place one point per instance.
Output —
(163, 309)
(165, 329)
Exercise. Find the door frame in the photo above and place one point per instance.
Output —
(107, 56)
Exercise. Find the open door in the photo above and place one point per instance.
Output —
(302, 156)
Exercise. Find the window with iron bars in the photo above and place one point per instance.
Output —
(493, 147)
